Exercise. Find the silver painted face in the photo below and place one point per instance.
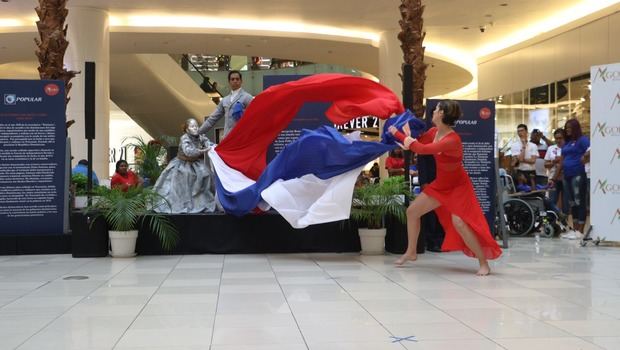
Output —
(192, 127)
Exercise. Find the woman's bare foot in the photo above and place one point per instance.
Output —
(406, 257)
(484, 270)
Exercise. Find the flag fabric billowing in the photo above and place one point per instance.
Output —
(311, 180)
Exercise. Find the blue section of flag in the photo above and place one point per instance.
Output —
(417, 126)
(323, 152)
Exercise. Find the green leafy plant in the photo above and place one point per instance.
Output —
(79, 181)
(149, 157)
(373, 202)
(129, 210)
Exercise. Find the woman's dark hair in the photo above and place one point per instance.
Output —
(560, 131)
(83, 162)
(396, 153)
(451, 111)
(575, 129)
(118, 164)
(234, 72)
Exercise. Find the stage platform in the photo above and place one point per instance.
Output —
(208, 234)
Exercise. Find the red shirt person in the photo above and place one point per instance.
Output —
(124, 178)
(451, 194)
(395, 163)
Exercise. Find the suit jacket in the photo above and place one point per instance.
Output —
(224, 109)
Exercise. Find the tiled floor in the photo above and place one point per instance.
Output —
(559, 296)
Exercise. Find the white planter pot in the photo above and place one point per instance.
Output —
(81, 201)
(123, 243)
(372, 241)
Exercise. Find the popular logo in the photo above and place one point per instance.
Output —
(616, 101)
(485, 113)
(51, 89)
(616, 217)
(605, 187)
(616, 156)
(605, 75)
(10, 99)
(604, 130)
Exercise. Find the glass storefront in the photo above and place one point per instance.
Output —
(544, 107)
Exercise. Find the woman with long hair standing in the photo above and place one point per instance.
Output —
(573, 152)
(451, 194)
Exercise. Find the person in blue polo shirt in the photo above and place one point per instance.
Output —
(82, 168)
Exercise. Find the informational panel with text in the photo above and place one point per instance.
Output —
(477, 131)
(310, 116)
(605, 151)
(32, 157)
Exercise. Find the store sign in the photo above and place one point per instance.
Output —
(605, 153)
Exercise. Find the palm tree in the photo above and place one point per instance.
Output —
(411, 37)
(52, 43)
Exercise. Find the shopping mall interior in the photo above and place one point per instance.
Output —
(160, 62)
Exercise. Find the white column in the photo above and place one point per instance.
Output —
(89, 40)
(390, 62)
(390, 66)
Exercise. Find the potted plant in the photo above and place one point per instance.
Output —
(78, 189)
(372, 203)
(126, 211)
(149, 158)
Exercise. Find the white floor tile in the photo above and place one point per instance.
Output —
(564, 297)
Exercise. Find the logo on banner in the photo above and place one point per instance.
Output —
(51, 89)
(605, 75)
(10, 99)
(616, 216)
(485, 113)
(616, 156)
(604, 130)
(616, 101)
(606, 188)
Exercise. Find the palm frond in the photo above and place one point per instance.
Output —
(125, 211)
(373, 202)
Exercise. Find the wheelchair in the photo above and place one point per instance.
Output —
(526, 213)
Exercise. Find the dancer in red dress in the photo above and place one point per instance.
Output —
(451, 195)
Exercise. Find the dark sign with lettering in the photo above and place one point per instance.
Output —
(477, 131)
(32, 157)
(310, 116)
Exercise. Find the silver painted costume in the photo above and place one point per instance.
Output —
(187, 182)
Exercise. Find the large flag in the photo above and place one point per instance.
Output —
(311, 181)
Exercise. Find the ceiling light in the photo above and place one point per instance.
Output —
(206, 22)
(558, 19)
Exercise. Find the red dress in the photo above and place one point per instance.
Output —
(453, 189)
(124, 182)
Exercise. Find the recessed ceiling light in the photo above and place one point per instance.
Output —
(504, 4)
(488, 15)
(465, 28)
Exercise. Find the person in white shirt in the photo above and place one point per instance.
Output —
(524, 155)
(542, 143)
(554, 165)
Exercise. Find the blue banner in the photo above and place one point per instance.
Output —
(477, 131)
(32, 157)
(310, 116)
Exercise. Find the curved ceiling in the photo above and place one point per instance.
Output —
(342, 32)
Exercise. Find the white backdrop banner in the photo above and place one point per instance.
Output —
(605, 151)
